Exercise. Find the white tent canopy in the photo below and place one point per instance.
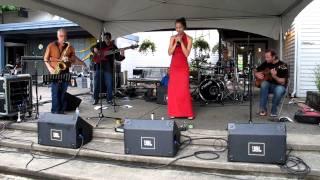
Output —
(122, 17)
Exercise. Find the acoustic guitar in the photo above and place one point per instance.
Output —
(267, 74)
(100, 56)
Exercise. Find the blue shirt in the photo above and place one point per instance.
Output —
(165, 81)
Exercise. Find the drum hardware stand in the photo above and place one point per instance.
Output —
(235, 95)
(236, 85)
(101, 116)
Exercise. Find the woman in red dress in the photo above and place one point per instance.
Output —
(179, 98)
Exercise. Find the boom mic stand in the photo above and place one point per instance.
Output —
(113, 52)
(101, 116)
(37, 96)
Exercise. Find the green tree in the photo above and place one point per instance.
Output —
(201, 45)
(317, 77)
(215, 48)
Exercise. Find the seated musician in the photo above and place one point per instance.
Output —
(165, 80)
(226, 65)
(53, 55)
(107, 67)
(272, 76)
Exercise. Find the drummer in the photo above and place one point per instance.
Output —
(226, 64)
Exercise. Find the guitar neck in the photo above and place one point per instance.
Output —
(110, 52)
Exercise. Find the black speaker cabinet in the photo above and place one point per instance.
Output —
(259, 143)
(61, 130)
(72, 102)
(151, 137)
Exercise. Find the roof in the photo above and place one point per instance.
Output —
(36, 25)
(123, 17)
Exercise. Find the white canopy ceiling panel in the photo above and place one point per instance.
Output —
(122, 17)
(268, 27)
(291, 13)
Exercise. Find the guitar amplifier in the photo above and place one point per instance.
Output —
(151, 137)
(258, 143)
(15, 94)
(305, 115)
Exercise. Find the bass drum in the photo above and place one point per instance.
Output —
(211, 90)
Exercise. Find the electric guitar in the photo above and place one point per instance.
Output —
(100, 56)
(267, 74)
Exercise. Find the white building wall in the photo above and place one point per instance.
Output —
(289, 54)
(308, 47)
(160, 58)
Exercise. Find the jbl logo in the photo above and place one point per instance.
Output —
(256, 149)
(148, 143)
(56, 135)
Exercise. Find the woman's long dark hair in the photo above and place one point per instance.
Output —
(182, 21)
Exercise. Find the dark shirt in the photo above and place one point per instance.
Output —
(281, 72)
(107, 62)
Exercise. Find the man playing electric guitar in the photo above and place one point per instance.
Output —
(271, 77)
(106, 63)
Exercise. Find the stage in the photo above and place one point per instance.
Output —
(105, 153)
(213, 116)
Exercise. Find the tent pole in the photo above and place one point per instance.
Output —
(281, 40)
(220, 45)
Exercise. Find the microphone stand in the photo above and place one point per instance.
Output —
(250, 77)
(113, 53)
(114, 72)
(37, 96)
(101, 116)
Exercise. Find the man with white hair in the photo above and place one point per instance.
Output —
(52, 57)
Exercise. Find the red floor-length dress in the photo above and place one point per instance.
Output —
(179, 98)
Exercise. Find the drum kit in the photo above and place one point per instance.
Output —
(218, 84)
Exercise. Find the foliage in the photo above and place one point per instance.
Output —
(147, 46)
(201, 48)
(200, 44)
(317, 76)
(215, 48)
(6, 8)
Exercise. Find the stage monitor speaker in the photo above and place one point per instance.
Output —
(151, 137)
(258, 143)
(72, 102)
(61, 130)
